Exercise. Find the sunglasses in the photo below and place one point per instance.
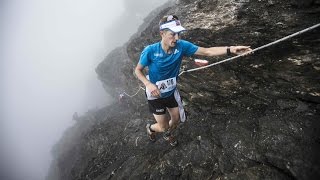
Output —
(175, 33)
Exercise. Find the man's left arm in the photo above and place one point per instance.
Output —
(218, 51)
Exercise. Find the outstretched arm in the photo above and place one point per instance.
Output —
(217, 51)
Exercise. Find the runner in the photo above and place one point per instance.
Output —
(163, 60)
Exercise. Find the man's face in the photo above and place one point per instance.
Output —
(169, 38)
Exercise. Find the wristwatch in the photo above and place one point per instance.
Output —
(228, 51)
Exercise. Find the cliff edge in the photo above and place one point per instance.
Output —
(256, 117)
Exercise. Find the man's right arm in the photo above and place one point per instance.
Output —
(140, 75)
(151, 87)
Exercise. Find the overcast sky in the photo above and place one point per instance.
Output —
(49, 50)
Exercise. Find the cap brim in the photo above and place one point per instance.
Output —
(177, 29)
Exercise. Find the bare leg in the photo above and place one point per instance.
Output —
(175, 117)
(173, 123)
(162, 123)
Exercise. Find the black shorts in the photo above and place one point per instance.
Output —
(159, 106)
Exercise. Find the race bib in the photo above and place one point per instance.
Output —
(167, 85)
(164, 86)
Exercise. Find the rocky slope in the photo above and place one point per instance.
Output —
(256, 117)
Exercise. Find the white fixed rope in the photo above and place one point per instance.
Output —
(256, 49)
(131, 96)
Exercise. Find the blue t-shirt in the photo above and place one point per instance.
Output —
(164, 66)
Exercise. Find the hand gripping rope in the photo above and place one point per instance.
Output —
(235, 57)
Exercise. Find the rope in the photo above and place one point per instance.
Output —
(131, 96)
(235, 57)
(256, 49)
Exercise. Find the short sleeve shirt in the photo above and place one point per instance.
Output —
(163, 66)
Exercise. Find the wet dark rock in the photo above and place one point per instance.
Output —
(256, 117)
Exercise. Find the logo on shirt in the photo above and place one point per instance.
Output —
(158, 54)
(176, 51)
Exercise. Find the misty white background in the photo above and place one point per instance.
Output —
(49, 51)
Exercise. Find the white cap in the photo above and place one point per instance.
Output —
(172, 24)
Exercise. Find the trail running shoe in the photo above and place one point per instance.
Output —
(152, 135)
(170, 138)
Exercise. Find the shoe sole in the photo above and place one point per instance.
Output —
(174, 144)
(171, 143)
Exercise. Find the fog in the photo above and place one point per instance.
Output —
(49, 51)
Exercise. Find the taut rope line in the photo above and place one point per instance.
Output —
(235, 57)
(256, 49)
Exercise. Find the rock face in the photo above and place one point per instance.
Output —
(256, 117)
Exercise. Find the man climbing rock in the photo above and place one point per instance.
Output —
(163, 60)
